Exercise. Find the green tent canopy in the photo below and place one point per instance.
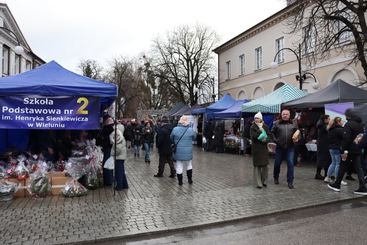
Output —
(271, 103)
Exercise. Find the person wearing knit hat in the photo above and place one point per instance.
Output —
(259, 115)
(183, 136)
(260, 136)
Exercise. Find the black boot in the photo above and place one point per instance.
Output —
(179, 177)
(189, 176)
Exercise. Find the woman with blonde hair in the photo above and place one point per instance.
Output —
(182, 136)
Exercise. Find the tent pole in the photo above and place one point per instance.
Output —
(115, 149)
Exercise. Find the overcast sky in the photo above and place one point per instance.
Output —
(70, 30)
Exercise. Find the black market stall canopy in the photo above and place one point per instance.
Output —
(337, 92)
(178, 106)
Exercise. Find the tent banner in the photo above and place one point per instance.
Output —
(338, 110)
(37, 112)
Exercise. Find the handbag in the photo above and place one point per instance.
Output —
(174, 145)
(109, 164)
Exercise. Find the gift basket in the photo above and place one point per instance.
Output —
(39, 184)
(7, 189)
(21, 171)
(76, 168)
(93, 177)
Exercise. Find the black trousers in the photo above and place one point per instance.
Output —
(353, 160)
(163, 159)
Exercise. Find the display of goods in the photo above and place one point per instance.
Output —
(39, 185)
(2, 172)
(74, 189)
(7, 190)
(58, 166)
(21, 171)
(92, 180)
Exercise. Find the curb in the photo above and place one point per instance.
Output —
(160, 231)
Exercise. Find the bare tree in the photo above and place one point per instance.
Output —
(91, 68)
(185, 62)
(133, 94)
(162, 95)
(333, 25)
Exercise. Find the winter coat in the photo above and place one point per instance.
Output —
(148, 135)
(283, 132)
(351, 129)
(137, 135)
(163, 140)
(259, 149)
(323, 155)
(128, 133)
(121, 143)
(184, 146)
(218, 136)
(335, 137)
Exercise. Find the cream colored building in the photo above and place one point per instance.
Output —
(244, 62)
(12, 63)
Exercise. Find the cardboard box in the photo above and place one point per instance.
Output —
(56, 174)
(58, 183)
(22, 188)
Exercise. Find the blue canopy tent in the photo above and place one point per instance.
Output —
(233, 112)
(51, 79)
(224, 103)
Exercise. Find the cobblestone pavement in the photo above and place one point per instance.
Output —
(222, 191)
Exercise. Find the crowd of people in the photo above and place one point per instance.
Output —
(341, 149)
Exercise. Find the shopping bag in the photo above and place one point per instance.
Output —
(110, 163)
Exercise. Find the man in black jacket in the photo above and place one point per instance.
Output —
(164, 148)
(283, 131)
(323, 155)
(352, 150)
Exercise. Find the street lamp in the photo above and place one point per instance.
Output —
(213, 94)
(18, 49)
(302, 76)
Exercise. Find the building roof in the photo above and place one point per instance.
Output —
(261, 26)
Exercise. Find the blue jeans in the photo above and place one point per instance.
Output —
(335, 162)
(137, 150)
(287, 154)
(120, 177)
(147, 151)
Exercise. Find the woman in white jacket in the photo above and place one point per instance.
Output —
(120, 177)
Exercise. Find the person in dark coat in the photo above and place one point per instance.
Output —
(335, 137)
(285, 133)
(137, 137)
(219, 138)
(148, 140)
(107, 129)
(323, 155)
(351, 150)
(260, 154)
(128, 134)
(163, 143)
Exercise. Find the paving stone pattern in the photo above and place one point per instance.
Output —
(222, 191)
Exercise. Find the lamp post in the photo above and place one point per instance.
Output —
(18, 49)
(302, 76)
(213, 94)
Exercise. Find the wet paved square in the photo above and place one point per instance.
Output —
(222, 191)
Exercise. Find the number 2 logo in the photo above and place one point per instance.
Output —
(84, 101)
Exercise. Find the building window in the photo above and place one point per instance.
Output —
(28, 65)
(258, 58)
(242, 64)
(228, 66)
(5, 59)
(309, 39)
(18, 64)
(279, 44)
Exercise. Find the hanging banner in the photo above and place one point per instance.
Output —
(36, 112)
(338, 110)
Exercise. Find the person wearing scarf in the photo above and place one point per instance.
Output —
(260, 136)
